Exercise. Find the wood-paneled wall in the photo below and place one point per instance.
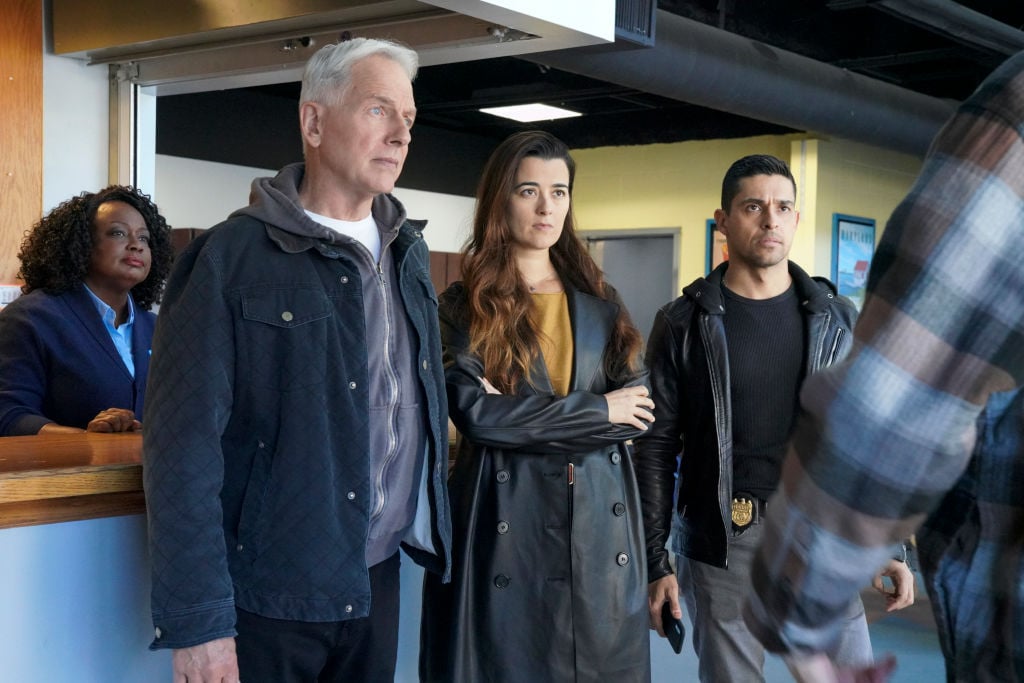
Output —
(21, 126)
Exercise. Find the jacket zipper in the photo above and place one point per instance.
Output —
(391, 380)
(716, 390)
(834, 351)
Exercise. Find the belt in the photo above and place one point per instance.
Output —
(747, 510)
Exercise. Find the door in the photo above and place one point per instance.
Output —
(642, 265)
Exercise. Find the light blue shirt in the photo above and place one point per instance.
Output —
(121, 336)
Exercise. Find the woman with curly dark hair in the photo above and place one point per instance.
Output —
(546, 388)
(74, 348)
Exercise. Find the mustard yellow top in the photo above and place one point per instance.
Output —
(552, 316)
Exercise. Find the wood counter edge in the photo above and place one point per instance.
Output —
(46, 480)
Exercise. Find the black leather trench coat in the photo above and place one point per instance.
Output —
(549, 580)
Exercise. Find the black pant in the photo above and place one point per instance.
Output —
(355, 650)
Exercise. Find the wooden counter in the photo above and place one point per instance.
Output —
(65, 477)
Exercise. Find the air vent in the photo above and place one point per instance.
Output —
(634, 21)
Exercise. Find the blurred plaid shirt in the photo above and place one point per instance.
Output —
(889, 435)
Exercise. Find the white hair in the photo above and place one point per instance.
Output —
(328, 71)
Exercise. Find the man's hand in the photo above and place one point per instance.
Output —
(820, 669)
(660, 591)
(902, 594)
(114, 420)
(212, 662)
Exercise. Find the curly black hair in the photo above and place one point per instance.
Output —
(55, 253)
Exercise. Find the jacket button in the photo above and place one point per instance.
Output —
(351, 385)
(618, 509)
(502, 476)
(287, 316)
(158, 633)
(615, 458)
(348, 609)
(501, 581)
(425, 364)
(351, 495)
(622, 559)
(239, 547)
(502, 527)
(344, 279)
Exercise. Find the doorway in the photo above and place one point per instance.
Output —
(643, 265)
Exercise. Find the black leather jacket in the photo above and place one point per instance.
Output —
(689, 367)
(548, 579)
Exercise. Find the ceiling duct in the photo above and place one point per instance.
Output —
(956, 22)
(696, 63)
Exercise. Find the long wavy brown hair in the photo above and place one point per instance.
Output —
(502, 329)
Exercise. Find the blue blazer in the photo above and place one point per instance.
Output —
(58, 363)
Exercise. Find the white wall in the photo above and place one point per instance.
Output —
(75, 106)
(200, 194)
(74, 604)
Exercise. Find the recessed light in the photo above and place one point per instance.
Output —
(526, 113)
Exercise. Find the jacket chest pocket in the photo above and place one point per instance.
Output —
(285, 334)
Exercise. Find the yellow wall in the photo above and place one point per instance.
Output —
(859, 180)
(679, 185)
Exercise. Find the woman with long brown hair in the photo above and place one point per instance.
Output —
(546, 388)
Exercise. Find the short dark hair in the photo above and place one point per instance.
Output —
(755, 164)
(55, 254)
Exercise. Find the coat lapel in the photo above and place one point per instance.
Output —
(592, 323)
(592, 320)
(83, 308)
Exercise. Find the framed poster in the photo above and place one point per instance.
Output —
(853, 246)
(717, 250)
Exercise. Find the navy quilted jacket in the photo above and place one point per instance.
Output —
(256, 439)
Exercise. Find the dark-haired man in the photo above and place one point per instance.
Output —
(727, 359)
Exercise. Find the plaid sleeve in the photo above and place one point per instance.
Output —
(883, 435)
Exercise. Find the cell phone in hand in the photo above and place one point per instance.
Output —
(673, 627)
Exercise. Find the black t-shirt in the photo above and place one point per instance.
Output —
(766, 367)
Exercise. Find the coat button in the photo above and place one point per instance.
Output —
(503, 527)
(425, 364)
(344, 279)
(501, 581)
(618, 509)
(615, 458)
(502, 476)
(287, 316)
(348, 609)
(351, 495)
(622, 559)
(352, 385)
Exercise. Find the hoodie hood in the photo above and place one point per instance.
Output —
(275, 201)
(815, 293)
